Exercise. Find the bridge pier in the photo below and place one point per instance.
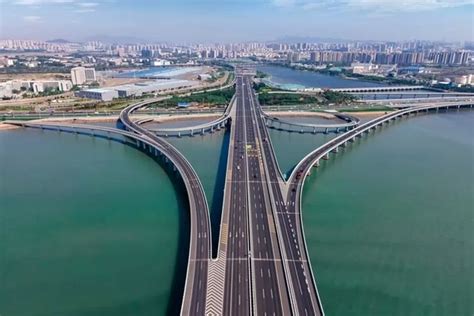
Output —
(314, 130)
(202, 131)
(316, 163)
(326, 130)
(192, 132)
(335, 150)
(179, 134)
(326, 156)
(337, 130)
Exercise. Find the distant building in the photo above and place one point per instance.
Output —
(161, 62)
(42, 86)
(135, 90)
(204, 76)
(81, 75)
(98, 94)
(90, 75)
(78, 75)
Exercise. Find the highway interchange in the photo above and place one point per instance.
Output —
(262, 266)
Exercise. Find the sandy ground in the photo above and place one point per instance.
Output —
(301, 114)
(369, 114)
(170, 117)
(4, 127)
(106, 119)
(35, 76)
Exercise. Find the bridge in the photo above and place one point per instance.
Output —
(192, 130)
(303, 168)
(262, 265)
(380, 89)
(293, 126)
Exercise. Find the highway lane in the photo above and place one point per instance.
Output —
(237, 299)
(269, 287)
(302, 290)
(194, 297)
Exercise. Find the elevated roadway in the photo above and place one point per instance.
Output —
(194, 298)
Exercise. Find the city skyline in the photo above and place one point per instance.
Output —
(197, 21)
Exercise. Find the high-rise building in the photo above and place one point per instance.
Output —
(81, 75)
(90, 75)
(78, 75)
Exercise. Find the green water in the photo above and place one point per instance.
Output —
(87, 227)
(290, 148)
(390, 221)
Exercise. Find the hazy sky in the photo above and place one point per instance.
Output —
(237, 20)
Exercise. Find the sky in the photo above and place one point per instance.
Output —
(191, 21)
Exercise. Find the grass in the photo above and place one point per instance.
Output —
(210, 98)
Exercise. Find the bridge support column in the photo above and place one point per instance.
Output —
(326, 156)
(326, 130)
(138, 143)
(335, 150)
(314, 130)
(179, 134)
(316, 163)
(156, 152)
(202, 131)
(192, 132)
(337, 130)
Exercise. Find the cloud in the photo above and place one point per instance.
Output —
(32, 18)
(84, 10)
(39, 2)
(87, 4)
(373, 5)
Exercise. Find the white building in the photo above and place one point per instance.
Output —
(82, 75)
(98, 94)
(78, 75)
(41, 86)
(161, 62)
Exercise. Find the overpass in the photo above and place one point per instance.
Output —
(200, 247)
(192, 130)
(293, 126)
(379, 89)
